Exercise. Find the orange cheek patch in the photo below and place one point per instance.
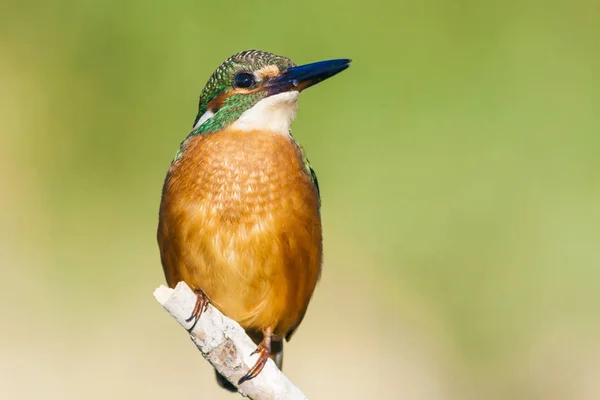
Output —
(216, 103)
(266, 72)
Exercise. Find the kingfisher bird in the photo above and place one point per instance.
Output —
(240, 219)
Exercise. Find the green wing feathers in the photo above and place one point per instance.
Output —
(313, 175)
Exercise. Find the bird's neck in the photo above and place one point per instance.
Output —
(272, 114)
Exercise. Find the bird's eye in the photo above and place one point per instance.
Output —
(244, 80)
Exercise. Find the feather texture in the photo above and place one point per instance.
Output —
(240, 220)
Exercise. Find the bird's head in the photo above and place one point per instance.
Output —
(256, 90)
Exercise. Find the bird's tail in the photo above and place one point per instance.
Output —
(224, 383)
(276, 355)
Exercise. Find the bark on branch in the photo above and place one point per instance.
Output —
(225, 345)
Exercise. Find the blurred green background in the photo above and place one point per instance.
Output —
(458, 163)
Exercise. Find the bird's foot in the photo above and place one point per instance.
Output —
(263, 350)
(201, 303)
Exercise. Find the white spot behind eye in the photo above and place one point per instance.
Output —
(205, 117)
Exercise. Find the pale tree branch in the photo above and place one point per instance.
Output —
(225, 345)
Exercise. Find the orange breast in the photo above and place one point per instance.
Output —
(239, 219)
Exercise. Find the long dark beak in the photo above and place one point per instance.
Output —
(303, 76)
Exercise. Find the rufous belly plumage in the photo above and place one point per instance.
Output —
(240, 221)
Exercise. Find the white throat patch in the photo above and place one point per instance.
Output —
(274, 113)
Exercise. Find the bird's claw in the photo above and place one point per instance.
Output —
(199, 307)
(263, 350)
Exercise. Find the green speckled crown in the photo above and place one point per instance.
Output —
(221, 82)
